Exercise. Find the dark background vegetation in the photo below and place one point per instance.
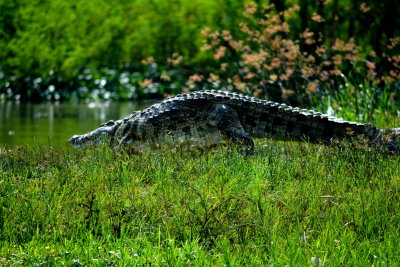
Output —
(59, 50)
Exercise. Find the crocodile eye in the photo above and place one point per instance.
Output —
(109, 123)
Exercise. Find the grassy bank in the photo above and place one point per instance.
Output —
(290, 203)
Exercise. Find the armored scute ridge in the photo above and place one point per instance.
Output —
(211, 117)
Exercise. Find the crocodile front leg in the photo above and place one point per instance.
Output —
(228, 123)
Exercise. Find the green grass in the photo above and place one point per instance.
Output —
(290, 203)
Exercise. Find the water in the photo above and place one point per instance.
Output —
(52, 124)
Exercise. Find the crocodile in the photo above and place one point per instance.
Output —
(211, 117)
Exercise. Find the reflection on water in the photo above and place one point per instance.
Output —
(53, 124)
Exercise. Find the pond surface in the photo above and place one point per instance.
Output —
(53, 124)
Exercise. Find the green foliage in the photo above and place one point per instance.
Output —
(98, 206)
(266, 62)
(49, 45)
(63, 36)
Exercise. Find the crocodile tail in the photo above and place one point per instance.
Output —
(315, 127)
(282, 122)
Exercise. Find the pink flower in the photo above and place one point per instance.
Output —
(220, 53)
(317, 18)
(364, 8)
(145, 83)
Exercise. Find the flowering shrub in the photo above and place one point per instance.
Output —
(266, 62)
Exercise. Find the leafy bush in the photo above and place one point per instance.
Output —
(265, 55)
(63, 36)
(55, 49)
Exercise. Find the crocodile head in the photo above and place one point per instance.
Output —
(101, 134)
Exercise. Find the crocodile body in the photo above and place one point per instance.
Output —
(211, 117)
